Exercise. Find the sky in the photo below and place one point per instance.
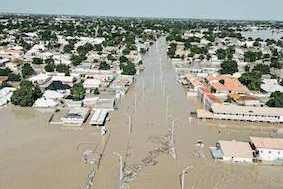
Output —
(209, 9)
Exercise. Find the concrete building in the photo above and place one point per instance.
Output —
(242, 113)
(234, 151)
(75, 117)
(268, 149)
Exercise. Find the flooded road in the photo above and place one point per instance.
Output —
(37, 155)
(146, 146)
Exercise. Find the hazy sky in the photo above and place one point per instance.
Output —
(222, 9)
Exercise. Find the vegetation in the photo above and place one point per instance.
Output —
(128, 68)
(229, 67)
(263, 68)
(14, 77)
(252, 80)
(37, 61)
(104, 66)
(78, 92)
(63, 68)
(26, 94)
(276, 100)
(49, 67)
(27, 70)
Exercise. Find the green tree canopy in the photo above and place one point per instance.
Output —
(78, 91)
(276, 100)
(128, 68)
(26, 94)
(27, 70)
(229, 67)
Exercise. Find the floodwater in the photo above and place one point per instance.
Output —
(264, 34)
(37, 155)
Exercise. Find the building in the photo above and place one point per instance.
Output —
(270, 86)
(268, 149)
(243, 113)
(5, 95)
(234, 151)
(40, 78)
(58, 86)
(75, 117)
(92, 83)
(226, 84)
(98, 117)
(45, 103)
(245, 99)
(207, 98)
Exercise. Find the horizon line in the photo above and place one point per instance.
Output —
(141, 17)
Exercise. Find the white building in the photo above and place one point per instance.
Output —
(270, 86)
(45, 103)
(40, 78)
(98, 117)
(244, 113)
(92, 83)
(269, 149)
(235, 151)
(5, 95)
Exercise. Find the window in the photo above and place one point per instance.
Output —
(278, 152)
(269, 152)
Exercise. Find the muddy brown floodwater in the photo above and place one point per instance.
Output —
(37, 155)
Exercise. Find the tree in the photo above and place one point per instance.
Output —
(96, 91)
(276, 63)
(37, 61)
(49, 61)
(276, 100)
(78, 91)
(98, 48)
(213, 90)
(49, 67)
(252, 80)
(63, 68)
(264, 69)
(222, 81)
(128, 68)
(27, 70)
(4, 84)
(26, 94)
(14, 77)
(5, 71)
(123, 59)
(126, 51)
(104, 66)
(221, 54)
(68, 48)
(229, 67)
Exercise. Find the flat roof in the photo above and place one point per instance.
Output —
(269, 143)
(247, 110)
(236, 149)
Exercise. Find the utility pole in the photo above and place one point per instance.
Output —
(129, 122)
(183, 176)
(121, 169)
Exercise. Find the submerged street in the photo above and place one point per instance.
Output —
(158, 144)
(147, 145)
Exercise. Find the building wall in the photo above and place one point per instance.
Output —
(242, 117)
(238, 159)
(270, 154)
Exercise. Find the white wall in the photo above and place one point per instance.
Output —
(270, 154)
(237, 159)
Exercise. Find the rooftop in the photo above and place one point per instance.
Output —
(269, 143)
(236, 149)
